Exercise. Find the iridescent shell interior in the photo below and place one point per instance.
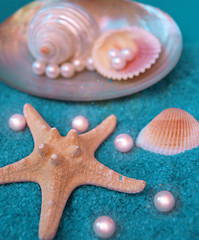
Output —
(16, 61)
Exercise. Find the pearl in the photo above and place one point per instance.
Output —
(79, 65)
(80, 123)
(128, 54)
(118, 63)
(52, 71)
(123, 143)
(164, 201)
(67, 70)
(104, 227)
(17, 122)
(114, 53)
(90, 65)
(39, 67)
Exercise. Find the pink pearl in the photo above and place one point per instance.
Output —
(80, 123)
(164, 201)
(128, 54)
(118, 63)
(123, 143)
(17, 122)
(39, 67)
(104, 227)
(52, 71)
(79, 65)
(114, 53)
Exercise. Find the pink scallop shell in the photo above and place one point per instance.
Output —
(173, 131)
(145, 45)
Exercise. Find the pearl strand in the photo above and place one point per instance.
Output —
(67, 70)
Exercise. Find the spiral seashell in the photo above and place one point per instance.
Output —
(61, 32)
(172, 131)
(145, 48)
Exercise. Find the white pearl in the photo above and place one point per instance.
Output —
(52, 71)
(39, 67)
(80, 123)
(164, 201)
(90, 65)
(118, 63)
(104, 227)
(79, 65)
(128, 54)
(123, 143)
(114, 53)
(17, 122)
(67, 70)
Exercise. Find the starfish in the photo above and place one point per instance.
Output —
(60, 164)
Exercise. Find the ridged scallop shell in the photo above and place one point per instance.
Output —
(66, 30)
(172, 131)
(146, 47)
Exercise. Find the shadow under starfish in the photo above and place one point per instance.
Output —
(60, 164)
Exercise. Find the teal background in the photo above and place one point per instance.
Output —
(135, 215)
(184, 12)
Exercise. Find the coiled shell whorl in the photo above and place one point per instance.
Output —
(61, 32)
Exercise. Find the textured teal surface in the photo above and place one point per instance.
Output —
(135, 215)
(184, 12)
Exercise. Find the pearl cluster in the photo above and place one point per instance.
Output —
(119, 58)
(67, 70)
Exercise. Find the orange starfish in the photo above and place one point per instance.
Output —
(60, 164)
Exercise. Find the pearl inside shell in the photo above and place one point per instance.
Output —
(128, 54)
(118, 63)
(123, 143)
(104, 227)
(164, 201)
(17, 122)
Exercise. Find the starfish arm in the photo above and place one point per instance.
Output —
(54, 198)
(20, 171)
(94, 138)
(38, 126)
(102, 176)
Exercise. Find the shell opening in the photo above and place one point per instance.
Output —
(44, 50)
